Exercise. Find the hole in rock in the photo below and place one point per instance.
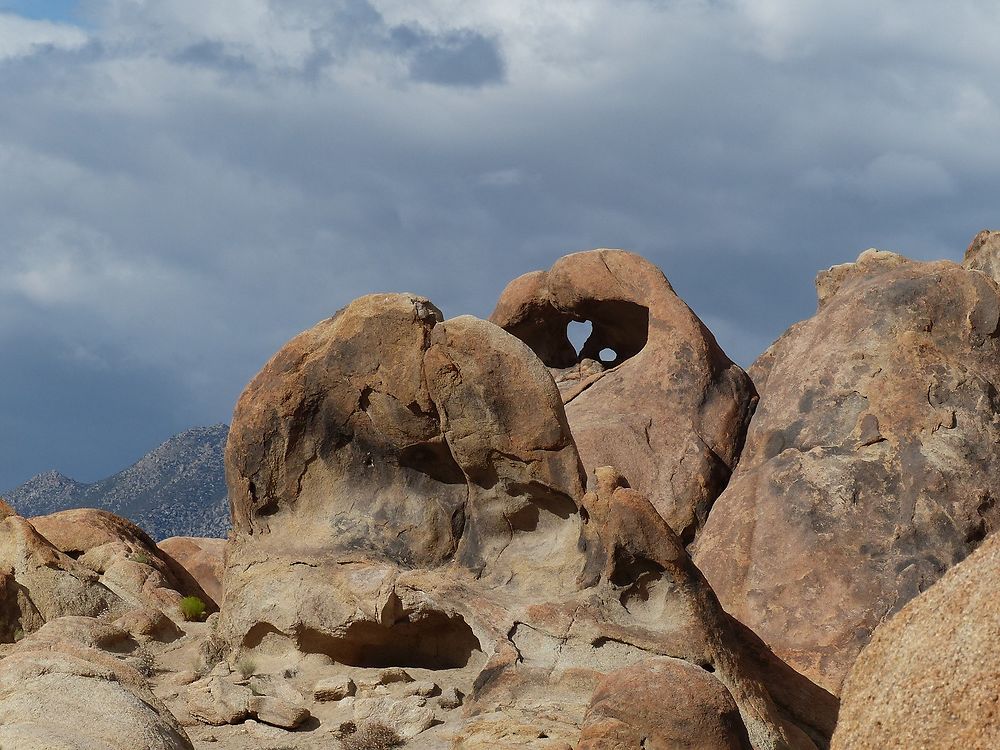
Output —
(578, 331)
(607, 356)
(435, 641)
(434, 459)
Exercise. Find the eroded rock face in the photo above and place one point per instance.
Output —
(929, 676)
(388, 431)
(664, 405)
(406, 493)
(870, 466)
(70, 686)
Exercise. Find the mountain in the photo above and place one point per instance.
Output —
(177, 489)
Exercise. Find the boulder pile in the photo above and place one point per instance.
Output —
(461, 533)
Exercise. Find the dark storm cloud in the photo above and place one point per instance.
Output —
(459, 58)
(187, 185)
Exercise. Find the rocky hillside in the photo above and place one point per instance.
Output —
(177, 489)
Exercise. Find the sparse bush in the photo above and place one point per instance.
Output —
(373, 735)
(193, 608)
(142, 558)
(246, 667)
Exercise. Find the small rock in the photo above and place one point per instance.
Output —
(276, 687)
(407, 718)
(450, 698)
(423, 688)
(392, 675)
(215, 701)
(277, 712)
(334, 689)
(147, 623)
(185, 677)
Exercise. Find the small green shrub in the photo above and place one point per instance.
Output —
(142, 558)
(193, 608)
(373, 735)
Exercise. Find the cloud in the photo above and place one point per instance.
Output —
(23, 37)
(186, 185)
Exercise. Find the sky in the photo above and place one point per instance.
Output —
(185, 185)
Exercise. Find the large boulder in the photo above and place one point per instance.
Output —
(628, 710)
(70, 687)
(406, 492)
(650, 391)
(870, 466)
(929, 676)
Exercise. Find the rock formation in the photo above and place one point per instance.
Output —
(870, 466)
(929, 676)
(39, 583)
(407, 493)
(466, 534)
(650, 391)
(124, 558)
(70, 686)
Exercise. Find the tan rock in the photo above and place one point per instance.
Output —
(148, 623)
(278, 712)
(929, 677)
(407, 717)
(126, 560)
(216, 701)
(669, 409)
(43, 583)
(983, 254)
(334, 689)
(870, 465)
(60, 691)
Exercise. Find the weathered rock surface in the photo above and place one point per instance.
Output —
(929, 676)
(68, 687)
(662, 703)
(126, 560)
(39, 583)
(870, 466)
(665, 406)
(983, 254)
(197, 562)
(406, 494)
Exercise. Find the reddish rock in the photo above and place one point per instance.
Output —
(198, 563)
(123, 555)
(668, 409)
(870, 466)
(662, 703)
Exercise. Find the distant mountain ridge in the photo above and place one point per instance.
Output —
(177, 489)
